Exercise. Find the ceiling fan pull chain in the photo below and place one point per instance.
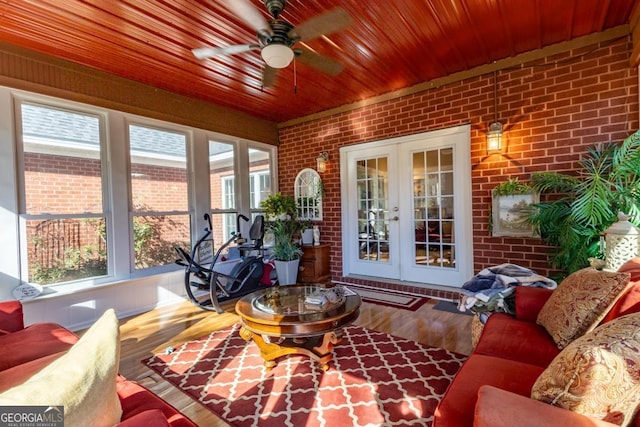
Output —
(295, 77)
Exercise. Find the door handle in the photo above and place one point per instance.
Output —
(395, 218)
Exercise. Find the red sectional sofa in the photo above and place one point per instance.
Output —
(26, 350)
(493, 387)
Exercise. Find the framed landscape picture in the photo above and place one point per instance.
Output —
(509, 219)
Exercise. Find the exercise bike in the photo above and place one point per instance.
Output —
(210, 280)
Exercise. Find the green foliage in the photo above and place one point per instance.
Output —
(511, 187)
(151, 246)
(580, 207)
(143, 234)
(551, 182)
(285, 247)
(75, 263)
(321, 189)
(46, 275)
(278, 204)
(283, 223)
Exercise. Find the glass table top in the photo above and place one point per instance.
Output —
(305, 299)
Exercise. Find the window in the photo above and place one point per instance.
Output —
(102, 195)
(259, 188)
(63, 219)
(260, 173)
(159, 195)
(222, 184)
(237, 188)
(228, 202)
(259, 184)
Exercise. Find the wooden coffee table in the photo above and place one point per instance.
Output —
(280, 323)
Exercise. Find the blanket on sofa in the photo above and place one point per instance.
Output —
(492, 288)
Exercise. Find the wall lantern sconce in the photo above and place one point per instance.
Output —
(321, 162)
(494, 137)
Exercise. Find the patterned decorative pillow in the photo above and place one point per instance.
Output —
(597, 375)
(580, 302)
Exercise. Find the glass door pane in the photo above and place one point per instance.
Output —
(433, 214)
(373, 209)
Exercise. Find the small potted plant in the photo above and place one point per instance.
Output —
(279, 207)
(285, 227)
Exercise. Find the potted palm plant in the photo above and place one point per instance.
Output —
(583, 206)
(285, 227)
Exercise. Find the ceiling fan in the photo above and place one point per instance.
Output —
(276, 38)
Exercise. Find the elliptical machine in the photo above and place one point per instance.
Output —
(211, 281)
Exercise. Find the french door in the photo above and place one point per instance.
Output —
(406, 208)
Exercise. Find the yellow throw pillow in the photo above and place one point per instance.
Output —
(580, 302)
(597, 375)
(83, 380)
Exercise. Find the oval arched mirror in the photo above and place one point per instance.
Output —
(308, 193)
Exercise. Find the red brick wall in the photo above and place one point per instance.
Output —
(53, 181)
(552, 110)
(58, 184)
(159, 188)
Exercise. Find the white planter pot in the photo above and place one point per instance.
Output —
(287, 271)
(307, 236)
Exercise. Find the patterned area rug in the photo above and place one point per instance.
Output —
(388, 297)
(374, 379)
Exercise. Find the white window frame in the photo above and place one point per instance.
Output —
(225, 209)
(19, 99)
(116, 188)
(162, 127)
(256, 179)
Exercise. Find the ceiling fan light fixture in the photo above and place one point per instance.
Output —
(277, 55)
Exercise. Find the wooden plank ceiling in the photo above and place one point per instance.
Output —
(388, 46)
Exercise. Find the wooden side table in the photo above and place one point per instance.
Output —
(314, 264)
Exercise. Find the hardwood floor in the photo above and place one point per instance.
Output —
(152, 332)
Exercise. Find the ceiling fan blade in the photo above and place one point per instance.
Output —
(323, 24)
(268, 76)
(208, 52)
(250, 15)
(319, 62)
